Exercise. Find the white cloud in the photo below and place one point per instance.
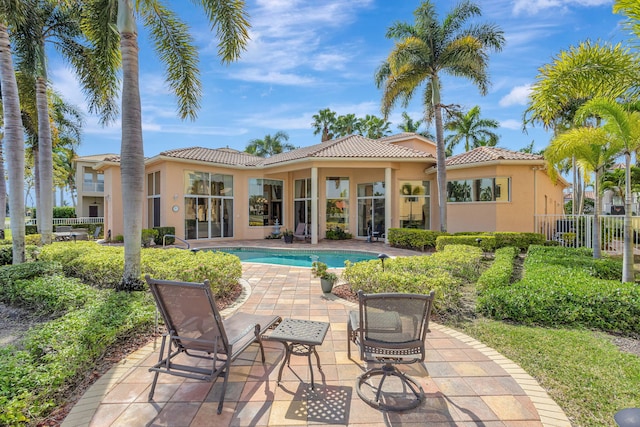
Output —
(511, 124)
(535, 6)
(293, 38)
(518, 96)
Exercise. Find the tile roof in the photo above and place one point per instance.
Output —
(488, 154)
(224, 156)
(352, 146)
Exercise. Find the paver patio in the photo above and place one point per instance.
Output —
(466, 383)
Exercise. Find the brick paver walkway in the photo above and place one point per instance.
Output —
(466, 382)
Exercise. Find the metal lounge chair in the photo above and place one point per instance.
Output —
(390, 328)
(301, 232)
(195, 329)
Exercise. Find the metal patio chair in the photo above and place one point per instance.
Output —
(196, 329)
(390, 328)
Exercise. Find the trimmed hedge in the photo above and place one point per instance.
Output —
(103, 266)
(411, 238)
(422, 240)
(485, 242)
(566, 287)
(501, 270)
(162, 231)
(443, 272)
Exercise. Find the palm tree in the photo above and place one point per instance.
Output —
(425, 50)
(413, 126)
(471, 129)
(179, 56)
(55, 24)
(12, 13)
(631, 9)
(323, 123)
(345, 125)
(591, 147)
(622, 130)
(269, 145)
(373, 127)
(575, 76)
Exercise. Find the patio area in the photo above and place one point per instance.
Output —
(466, 383)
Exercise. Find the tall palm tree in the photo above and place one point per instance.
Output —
(413, 126)
(323, 123)
(591, 147)
(373, 127)
(428, 48)
(471, 129)
(269, 145)
(345, 125)
(623, 130)
(176, 49)
(55, 24)
(575, 76)
(13, 12)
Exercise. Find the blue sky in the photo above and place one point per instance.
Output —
(305, 56)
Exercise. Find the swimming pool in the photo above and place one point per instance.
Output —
(296, 257)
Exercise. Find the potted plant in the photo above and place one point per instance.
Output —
(327, 279)
(287, 235)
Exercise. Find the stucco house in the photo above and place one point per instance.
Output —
(355, 183)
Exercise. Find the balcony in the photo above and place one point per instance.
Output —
(93, 186)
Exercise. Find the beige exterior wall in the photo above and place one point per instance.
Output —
(532, 192)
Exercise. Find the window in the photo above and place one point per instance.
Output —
(479, 190)
(265, 202)
(415, 204)
(208, 205)
(153, 200)
(337, 193)
(371, 209)
(302, 203)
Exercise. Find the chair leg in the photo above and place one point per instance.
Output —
(153, 385)
(224, 386)
(398, 405)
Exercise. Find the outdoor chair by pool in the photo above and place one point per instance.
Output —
(199, 344)
(301, 232)
(390, 329)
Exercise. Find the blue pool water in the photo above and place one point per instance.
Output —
(297, 258)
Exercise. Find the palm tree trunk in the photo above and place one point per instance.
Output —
(36, 182)
(440, 154)
(45, 163)
(628, 274)
(597, 251)
(3, 193)
(14, 137)
(131, 151)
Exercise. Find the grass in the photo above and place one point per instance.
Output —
(582, 370)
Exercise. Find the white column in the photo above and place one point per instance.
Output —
(387, 203)
(314, 206)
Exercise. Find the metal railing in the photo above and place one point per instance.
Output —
(164, 238)
(71, 221)
(577, 230)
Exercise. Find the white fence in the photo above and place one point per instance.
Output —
(577, 230)
(71, 221)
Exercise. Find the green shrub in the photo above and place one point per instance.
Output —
(486, 242)
(445, 273)
(560, 287)
(148, 236)
(30, 229)
(118, 239)
(521, 241)
(337, 233)
(501, 270)
(50, 295)
(410, 238)
(11, 273)
(162, 231)
(64, 212)
(56, 354)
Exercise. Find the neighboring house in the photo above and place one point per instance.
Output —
(90, 186)
(353, 182)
